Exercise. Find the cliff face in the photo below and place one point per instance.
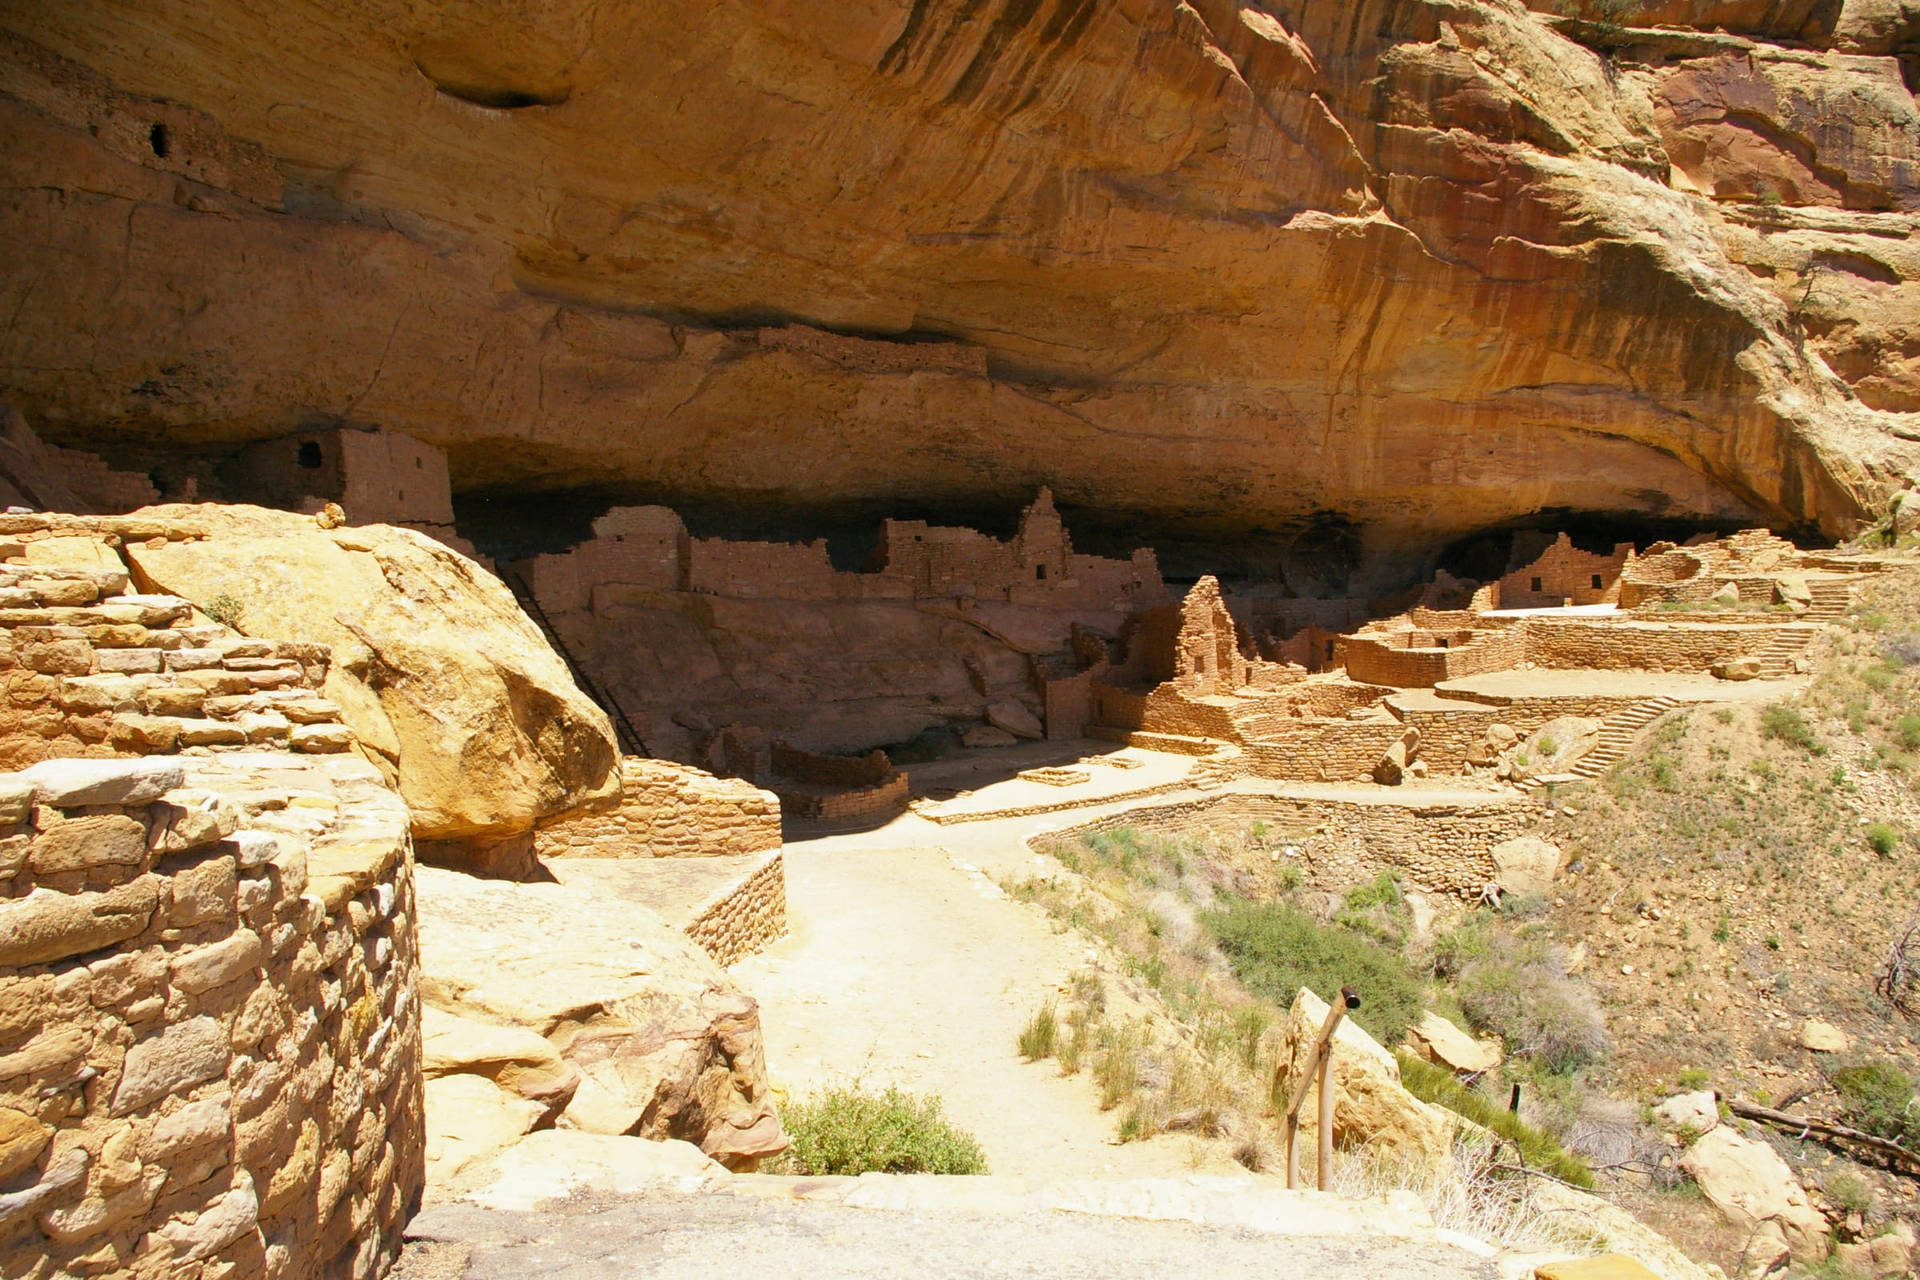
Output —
(1427, 265)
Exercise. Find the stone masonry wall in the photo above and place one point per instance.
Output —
(744, 916)
(1322, 750)
(209, 1027)
(1624, 646)
(1436, 848)
(1447, 736)
(669, 810)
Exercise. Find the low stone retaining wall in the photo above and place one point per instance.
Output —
(746, 915)
(209, 1026)
(1436, 848)
(834, 806)
(669, 810)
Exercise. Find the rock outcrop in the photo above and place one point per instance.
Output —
(1359, 274)
(434, 668)
(1753, 1189)
(1370, 1108)
(648, 1036)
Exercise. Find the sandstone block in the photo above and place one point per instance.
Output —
(94, 695)
(22, 1139)
(70, 784)
(1746, 668)
(193, 659)
(1438, 1040)
(190, 818)
(320, 738)
(98, 1213)
(174, 700)
(1823, 1037)
(194, 1126)
(470, 1117)
(1525, 865)
(87, 844)
(216, 964)
(17, 796)
(203, 893)
(57, 657)
(1698, 1111)
(177, 1058)
(1753, 1189)
(46, 926)
(156, 735)
(1793, 590)
(52, 1052)
(221, 1224)
(62, 592)
(210, 733)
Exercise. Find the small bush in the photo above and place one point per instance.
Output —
(1786, 724)
(1883, 838)
(1877, 1096)
(848, 1131)
(1525, 998)
(1277, 949)
(1382, 890)
(1538, 1150)
(1693, 1078)
(1850, 1191)
(1907, 730)
(225, 610)
(1039, 1036)
(1116, 1064)
(1903, 649)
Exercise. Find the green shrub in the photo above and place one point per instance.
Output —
(1907, 730)
(1524, 998)
(1877, 1096)
(1276, 949)
(1786, 724)
(225, 610)
(1884, 838)
(1693, 1078)
(1038, 1037)
(848, 1131)
(1382, 890)
(1538, 1150)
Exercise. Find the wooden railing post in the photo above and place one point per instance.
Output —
(1320, 1061)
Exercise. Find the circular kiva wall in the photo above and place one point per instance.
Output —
(209, 1026)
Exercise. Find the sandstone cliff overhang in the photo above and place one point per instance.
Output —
(1418, 265)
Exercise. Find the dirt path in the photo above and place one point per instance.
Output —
(904, 969)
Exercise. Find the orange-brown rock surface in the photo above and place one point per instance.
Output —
(1425, 265)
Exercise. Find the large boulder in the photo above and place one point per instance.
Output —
(1370, 1108)
(1554, 748)
(1440, 1042)
(1525, 865)
(665, 1045)
(1752, 1187)
(435, 667)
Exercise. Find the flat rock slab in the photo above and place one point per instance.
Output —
(698, 1236)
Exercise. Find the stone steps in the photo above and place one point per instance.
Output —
(92, 667)
(1618, 734)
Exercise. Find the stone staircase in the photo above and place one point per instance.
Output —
(1617, 734)
(1783, 646)
(1832, 597)
(92, 668)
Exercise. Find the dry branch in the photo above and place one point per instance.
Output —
(1830, 1129)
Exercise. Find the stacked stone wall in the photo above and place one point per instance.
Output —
(1322, 750)
(859, 802)
(1448, 736)
(1638, 646)
(1436, 848)
(747, 914)
(209, 1027)
(669, 810)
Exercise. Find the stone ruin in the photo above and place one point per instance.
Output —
(697, 639)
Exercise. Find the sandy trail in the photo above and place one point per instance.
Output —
(904, 969)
